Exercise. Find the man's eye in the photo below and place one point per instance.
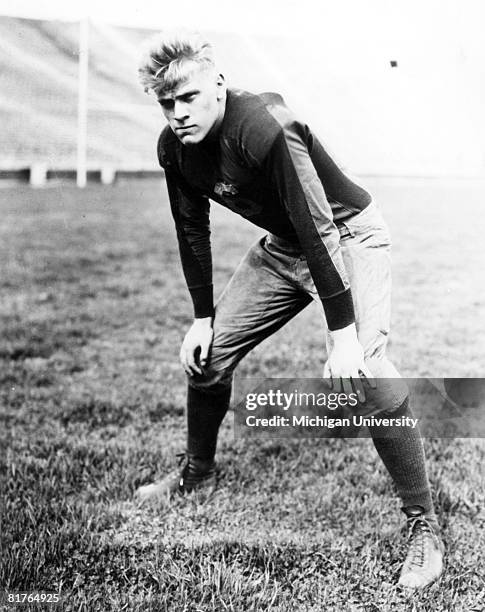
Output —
(166, 104)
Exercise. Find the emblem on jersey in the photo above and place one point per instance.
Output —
(222, 189)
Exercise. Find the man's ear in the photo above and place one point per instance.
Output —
(221, 85)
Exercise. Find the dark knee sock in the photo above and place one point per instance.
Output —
(402, 452)
(205, 412)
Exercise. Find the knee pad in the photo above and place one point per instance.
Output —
(211, 381)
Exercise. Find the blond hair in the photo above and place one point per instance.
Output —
(168, 58)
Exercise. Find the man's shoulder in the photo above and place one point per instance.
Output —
(256, 107)
(255, 120)
(166, 146)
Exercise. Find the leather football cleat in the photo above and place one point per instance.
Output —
(424, 560)
(196, 475)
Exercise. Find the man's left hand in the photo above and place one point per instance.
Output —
(346, 366)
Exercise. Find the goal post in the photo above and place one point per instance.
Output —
(82, 106)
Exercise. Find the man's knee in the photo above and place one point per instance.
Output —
(391, 393)
(401, 410)
(392, 397)
(212, 381)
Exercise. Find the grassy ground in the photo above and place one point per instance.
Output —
(92, 400)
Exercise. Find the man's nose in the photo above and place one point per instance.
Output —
(180, 111)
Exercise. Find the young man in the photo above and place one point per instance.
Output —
(326, 240)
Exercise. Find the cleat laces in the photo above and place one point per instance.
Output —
(420, 531)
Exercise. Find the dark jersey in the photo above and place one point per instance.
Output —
(269, 168)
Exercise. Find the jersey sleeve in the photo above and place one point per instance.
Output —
(191, 215)
(294, 177)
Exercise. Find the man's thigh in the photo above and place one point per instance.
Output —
(258, 300)
(366, 248)
(366, 251)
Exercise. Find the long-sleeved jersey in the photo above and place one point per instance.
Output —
(269, 168)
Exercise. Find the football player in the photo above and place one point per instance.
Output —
(325, 239)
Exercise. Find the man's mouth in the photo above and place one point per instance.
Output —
(185, 127)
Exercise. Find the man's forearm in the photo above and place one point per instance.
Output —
(191, 216)
(294, 176)
(203, 301)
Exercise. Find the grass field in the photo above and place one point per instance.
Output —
(92, 405)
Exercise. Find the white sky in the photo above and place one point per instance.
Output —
(363, 18)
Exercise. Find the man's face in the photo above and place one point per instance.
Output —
(195, 106)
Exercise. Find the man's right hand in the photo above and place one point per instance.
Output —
(199, 337)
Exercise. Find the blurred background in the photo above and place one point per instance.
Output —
(392, 88)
